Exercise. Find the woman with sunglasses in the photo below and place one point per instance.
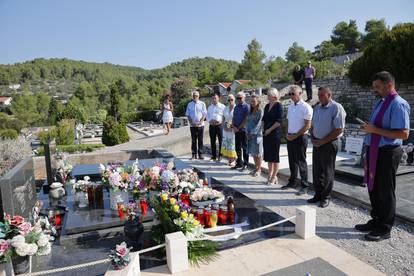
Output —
(272, 122)
(228, 148)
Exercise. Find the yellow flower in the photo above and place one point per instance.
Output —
(184, 214)
(196, 222)
(172, 201)
(190, 216)
(176, 208)
(164, 197)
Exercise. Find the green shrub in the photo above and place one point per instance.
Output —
(73, 148)
(114, 133)
(392, 52)
(180, 108)
(9, 134)
(65, 132)
(45, 136)
(129, 117)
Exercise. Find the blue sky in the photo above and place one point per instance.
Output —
(154, 33)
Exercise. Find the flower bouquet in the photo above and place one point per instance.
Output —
(120, 256)
(117, 180)
(206, 196)
(174, 216)
(63, 167)
(80, 190)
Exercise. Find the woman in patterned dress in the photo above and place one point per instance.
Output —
(228, 148)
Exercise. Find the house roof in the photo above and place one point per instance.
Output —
(242, 81)
(225, 84)
(210, 86)
(4, 99)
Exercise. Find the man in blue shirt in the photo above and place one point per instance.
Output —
(239, 122)
(388, 126)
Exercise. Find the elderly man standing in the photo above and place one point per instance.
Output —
(241, 111)
(310, 74)
(388, 126)
(196, 113)
(299, 121)
(327, 125)
(215, 115)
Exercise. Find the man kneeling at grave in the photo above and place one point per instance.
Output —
(387, 128)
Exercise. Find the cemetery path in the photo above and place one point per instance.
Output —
(334, 223)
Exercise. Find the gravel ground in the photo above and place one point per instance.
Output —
(334, 223)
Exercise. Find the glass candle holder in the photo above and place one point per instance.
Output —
(144, 206)
(58, 220)
(223, 214)
(207, 217)
(213, 218)
(121, 210)
(185, 199)
(200, 216)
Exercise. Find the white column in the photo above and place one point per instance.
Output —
(6, 269)
(177, 254)
(305, 222)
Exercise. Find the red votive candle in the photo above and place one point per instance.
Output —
(121, 210)
(58, 221)
(185, 199)
(144, 206)
(200, 216)
(223, 214)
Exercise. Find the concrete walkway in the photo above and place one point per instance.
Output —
(271, 255)
(334, 224)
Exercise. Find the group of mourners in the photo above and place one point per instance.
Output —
(244, 130)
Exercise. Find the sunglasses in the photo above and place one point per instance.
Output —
(231, 100)
(291, 94)
(239, 98)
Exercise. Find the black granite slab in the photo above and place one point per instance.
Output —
(79, 250)
(316, 266)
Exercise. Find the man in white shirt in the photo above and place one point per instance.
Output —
(196, 113)
(299, 122)
(215, 113)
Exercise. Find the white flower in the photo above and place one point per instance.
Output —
(31, 249)
(86, 178)
(22, 249)
(102, 167)
(45, 250)
(43, 240)
(17, 241)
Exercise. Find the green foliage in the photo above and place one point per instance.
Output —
(348, 35)
(24, 108)
(327, 49)
(55, 107)
(297, 54)
(252, 66)
(45, 136)
(65, 132)
(373, 31)
(202, 252)
(8, 134)
(114, 133)
(392, 52)
(74, 148)
(10, 122)
(328, 68)
(147, 115)
(181, 106)
(180, 89)
(73, 111)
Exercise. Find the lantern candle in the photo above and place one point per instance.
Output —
(144, 206)
(223, 214)
(121, 210)
(58, 220)
(200, 216)
(185, 199)
(213, 218)
(207, 217)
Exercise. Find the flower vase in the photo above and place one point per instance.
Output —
(117, 196)
(133, 229)
(6, 268)
(82, 199)
(20, 264)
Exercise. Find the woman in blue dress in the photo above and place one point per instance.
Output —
(254, 134)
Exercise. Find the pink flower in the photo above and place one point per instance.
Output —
(17, 220)
(4, 246)
(25, 228)
(122, 250)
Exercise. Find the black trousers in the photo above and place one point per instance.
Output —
(323, 169)
(308, 85)
(382, 195)
(197, 134)
(241, 148)
(297, 159)
(216, 132)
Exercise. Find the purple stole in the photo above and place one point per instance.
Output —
(372, 156)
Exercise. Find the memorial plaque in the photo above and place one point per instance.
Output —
(353, 144)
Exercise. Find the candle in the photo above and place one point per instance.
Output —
(207, 217)
(213, 218)
(200, 216)
(121, 210)
(58, 221)
(223, 214)
(144, 206)
(185, 199)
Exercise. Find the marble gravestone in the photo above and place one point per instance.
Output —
(17, 190)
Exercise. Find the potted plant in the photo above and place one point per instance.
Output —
(133, 228)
